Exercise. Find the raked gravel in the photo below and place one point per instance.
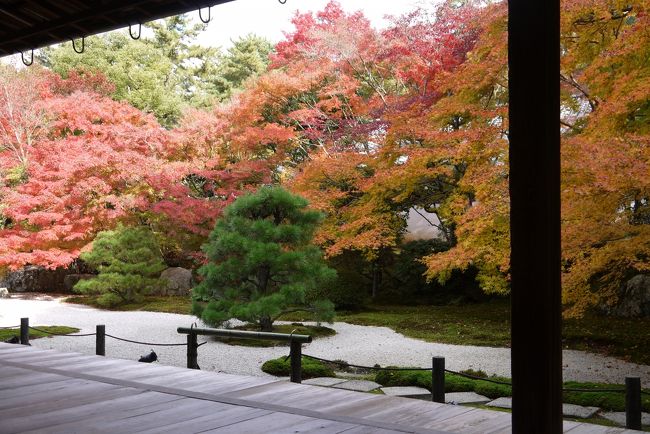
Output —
(363, 345)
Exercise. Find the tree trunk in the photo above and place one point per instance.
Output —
(263, 275)
(376, 279)
(266, 325)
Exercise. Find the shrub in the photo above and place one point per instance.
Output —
(311, 368)
(263, 262)
(129, 263)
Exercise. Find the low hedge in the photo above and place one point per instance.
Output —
(311, 368)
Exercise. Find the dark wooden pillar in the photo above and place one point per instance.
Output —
(534, 64)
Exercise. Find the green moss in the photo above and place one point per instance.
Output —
(170, 304)
(33, 334)
(610, 401)
(311, 368)
(488, 324)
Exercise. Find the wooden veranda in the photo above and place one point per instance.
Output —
(534, 171)
(53, 392)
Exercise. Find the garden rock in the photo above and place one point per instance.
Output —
(4, 293)
(179, 280)
(71, 280)
(633, 299)
(35, 279)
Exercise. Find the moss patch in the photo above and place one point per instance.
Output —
(611, 401)
(33, 334)
(170, 304)
(488, 324)
(311, 368)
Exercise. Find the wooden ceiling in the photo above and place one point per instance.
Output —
(30, 24)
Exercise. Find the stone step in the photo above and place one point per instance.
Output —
(466, 398)
(358, 385)
(324, 381)
(568, 410)
(407, 392)
(619, 417)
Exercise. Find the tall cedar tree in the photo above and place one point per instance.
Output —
(263, 263)
(129, 263)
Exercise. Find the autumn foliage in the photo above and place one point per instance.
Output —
(372, 126)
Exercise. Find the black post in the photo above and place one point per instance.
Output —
(100, 340)
(438, 379)
(295, 355)
(535, 258)
(24, 331)
(633, 403)
(192, 351)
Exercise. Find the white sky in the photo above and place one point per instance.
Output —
(269, 18)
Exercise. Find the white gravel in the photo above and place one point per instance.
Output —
(362, 345)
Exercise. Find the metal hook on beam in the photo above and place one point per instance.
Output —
(31, 60)
(209, 15)
(83, 46)
(139, 32)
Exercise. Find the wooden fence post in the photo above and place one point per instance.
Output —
(24, 331)
(438, 379)
(192, 351)
(633, 403)
(100, 340)
(295, 355)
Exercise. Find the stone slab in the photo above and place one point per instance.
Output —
(466, 398)
(407, 392)
(619, 417)
(568, 410)
(578, 411)
(500, 403)
(358, 385)
(324, 381)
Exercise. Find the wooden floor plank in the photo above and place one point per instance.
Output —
(281, 423)
(183, 410)
(104, 409)
(210, 421)
(73, 399)
(369, 430)
(66, 362)
(42, 387)
(25, 379)
(46, 391)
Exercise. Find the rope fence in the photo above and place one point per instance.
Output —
(374, 368)
(151, 344)
(633, 392)
(62, 334)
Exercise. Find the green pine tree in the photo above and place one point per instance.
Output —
(263, 262)
(129, 263)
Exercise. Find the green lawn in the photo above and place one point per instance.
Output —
(33, 334)
(172, 304)
(486, 324)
